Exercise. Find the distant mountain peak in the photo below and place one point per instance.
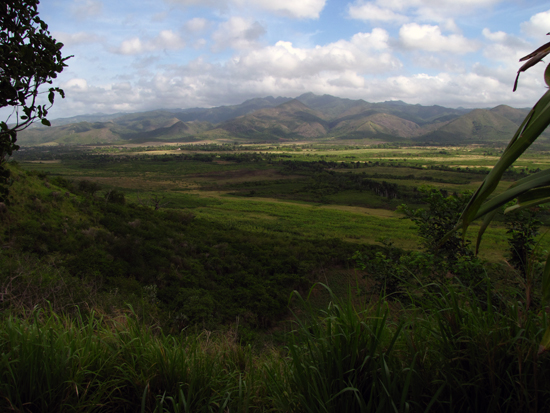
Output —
(294, 104)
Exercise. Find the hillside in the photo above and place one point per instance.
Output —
(308, 117)
(99, 242)
(480, 125)
(287, 120)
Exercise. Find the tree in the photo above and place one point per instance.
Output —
(523, 227)
(29, 58)
(436, 221)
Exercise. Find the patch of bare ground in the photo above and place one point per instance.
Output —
(143, 144)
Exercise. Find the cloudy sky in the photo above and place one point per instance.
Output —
(137, 55)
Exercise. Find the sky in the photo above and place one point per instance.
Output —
(138, 55)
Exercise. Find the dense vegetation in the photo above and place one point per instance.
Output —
(192, 270)
(163, 283)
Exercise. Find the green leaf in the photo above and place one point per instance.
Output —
(519, 188)
(46, 122)
(520, 207)
(534, 194)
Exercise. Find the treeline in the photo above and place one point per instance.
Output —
(285, 160)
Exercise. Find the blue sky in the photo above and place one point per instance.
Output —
(137, 55)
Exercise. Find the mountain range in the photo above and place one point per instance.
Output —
(308, 117)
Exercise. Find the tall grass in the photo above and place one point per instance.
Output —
(448, 351)
(52, 363)
(342, 360)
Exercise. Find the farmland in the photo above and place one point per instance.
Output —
(310, 191)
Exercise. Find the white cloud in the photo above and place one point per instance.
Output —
(370, 11)
(363, 53)
(199, 44)
(213, 85)
(348, 79)
(131, 46)
(237, 33)
(196, 24)
(166, 40)
(504, 47)
(75, 85)
(429, 38)
(300, 9)
(494, 36)
(122, 86)
(377, 39)
(538, 25)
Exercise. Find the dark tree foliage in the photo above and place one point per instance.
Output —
(439, 219)
(523, 227)
(29, 58)
(88, 187)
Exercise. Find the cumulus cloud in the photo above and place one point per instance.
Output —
(76, 85)
(237, 33)
(429, 38)
(538, 25)
(467, 89)
(166, 40)
(280, 69)
(363, 53)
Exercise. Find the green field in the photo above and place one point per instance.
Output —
(308, 191)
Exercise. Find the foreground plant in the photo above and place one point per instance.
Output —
(530, 191)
